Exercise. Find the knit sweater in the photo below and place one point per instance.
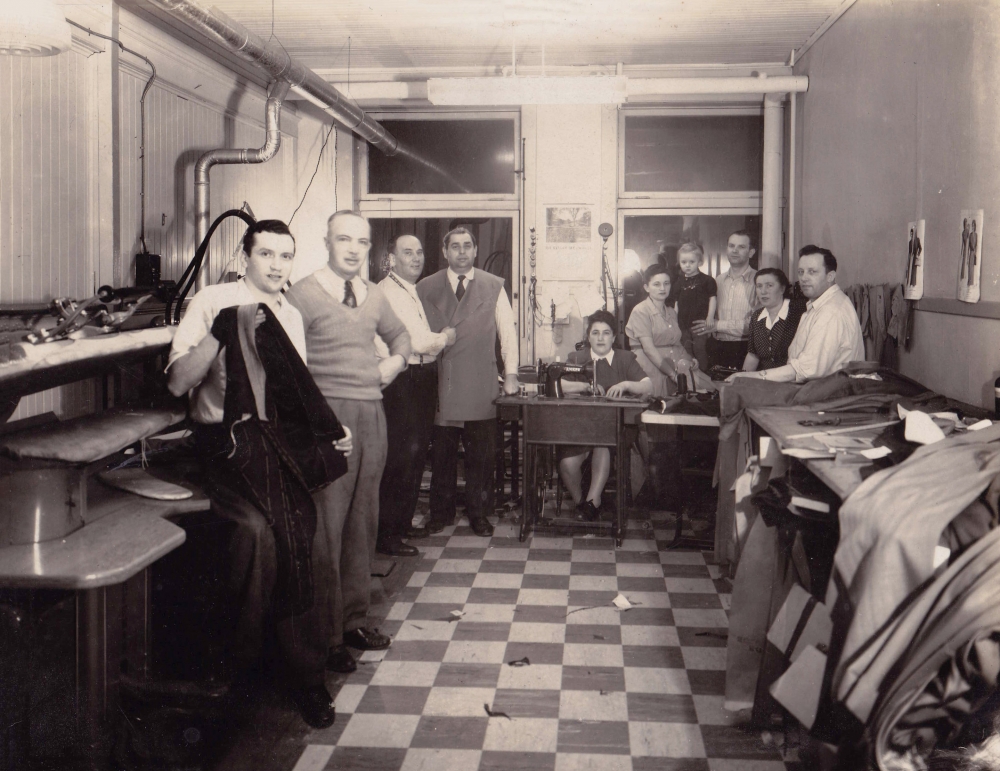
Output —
(340, 340)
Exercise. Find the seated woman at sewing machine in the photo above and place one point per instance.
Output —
(616, 373)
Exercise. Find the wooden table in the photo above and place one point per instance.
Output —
(595, 421)
(784, 427)
(669, 427)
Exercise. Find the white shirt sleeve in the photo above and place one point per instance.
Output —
(508, 333)
(195, 326)
(407, 308)
(823, 350)
(422, 340)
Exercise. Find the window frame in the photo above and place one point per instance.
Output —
(498, 212)
(427, 201)
(700, 211)
(726, 199)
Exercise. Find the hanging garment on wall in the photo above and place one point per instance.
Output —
(883, 314)
(876, 310)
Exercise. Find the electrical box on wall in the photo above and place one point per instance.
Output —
(147, 269)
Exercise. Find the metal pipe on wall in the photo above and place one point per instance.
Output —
(792, 152)
(279, 64)
(770, 220)
(203, 168)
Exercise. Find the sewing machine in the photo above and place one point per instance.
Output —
(549, 376)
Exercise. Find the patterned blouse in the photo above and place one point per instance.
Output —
(770, 346)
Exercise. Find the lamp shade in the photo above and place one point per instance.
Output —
(33, 28)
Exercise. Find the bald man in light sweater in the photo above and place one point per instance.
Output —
(342, 314)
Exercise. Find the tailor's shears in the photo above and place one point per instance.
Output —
(835, 422)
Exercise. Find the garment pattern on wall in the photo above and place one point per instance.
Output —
(971, 260)
(913, 285)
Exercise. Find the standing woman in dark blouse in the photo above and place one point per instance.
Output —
(771, 332)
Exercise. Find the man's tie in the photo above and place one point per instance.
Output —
(349, 299)
(460, 290)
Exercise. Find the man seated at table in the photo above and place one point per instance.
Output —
(617, 373)
(271, 551)
(829, 333)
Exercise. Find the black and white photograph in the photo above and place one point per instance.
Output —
(568, 224)
(525, 385)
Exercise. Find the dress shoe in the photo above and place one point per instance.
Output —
(315, 705)
(363, 639)
(416, 532)
(394, 547)
(436, 526)
(340, 660)
(588, 512)
(481, 526)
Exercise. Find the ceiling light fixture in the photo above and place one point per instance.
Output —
(33, 28)
(517, 90)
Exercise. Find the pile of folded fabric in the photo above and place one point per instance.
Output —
(915, 649)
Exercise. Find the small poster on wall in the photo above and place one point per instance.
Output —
(971, 262)
(914, 286)
(570, 249)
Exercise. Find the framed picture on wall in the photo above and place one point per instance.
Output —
(971, 255)
(914, 283)
(569, 249)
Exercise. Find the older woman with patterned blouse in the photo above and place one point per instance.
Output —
(772, 331)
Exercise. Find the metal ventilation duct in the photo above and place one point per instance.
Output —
(272, 58)
(202, 169)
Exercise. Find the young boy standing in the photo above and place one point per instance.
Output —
(696, 300)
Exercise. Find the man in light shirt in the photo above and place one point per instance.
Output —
(409, 401)
(342, 314)
(475, 303)
(829, 334)
(197, 366)
(737, 301)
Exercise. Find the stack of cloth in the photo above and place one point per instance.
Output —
(915, 649)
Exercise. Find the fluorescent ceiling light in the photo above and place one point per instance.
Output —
(516, 90)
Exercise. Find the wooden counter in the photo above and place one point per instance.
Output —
(783, 426)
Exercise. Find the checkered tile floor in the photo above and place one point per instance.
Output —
(605, 689)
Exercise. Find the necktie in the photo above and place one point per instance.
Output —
(349, 299)
(460, 291)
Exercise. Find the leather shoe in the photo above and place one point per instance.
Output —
(436, 526)
(588, 512)
(394, 547)
(315, 705)
(481, 526)
(340, 660)
(363, 639)
(416, 532)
